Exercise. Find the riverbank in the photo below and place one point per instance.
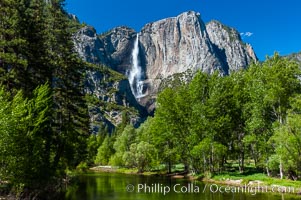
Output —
(53, 189)
(230, 179)
(256, 180)
(112, 169)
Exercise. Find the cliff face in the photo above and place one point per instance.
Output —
(89, 47)
(228, 44)
(109, 92)
(167, 47)
(112, 49)
(118, 45)
(175, 45)
(109, 97)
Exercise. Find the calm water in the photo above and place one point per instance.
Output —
(112, 186)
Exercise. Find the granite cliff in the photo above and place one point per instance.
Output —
(168, 47)
(110, 98)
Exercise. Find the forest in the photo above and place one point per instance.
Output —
(43, 114)
(207, 125)
(213, 122)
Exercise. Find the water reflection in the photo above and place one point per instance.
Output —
(113, 186)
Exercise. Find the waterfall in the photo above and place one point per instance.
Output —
(135, 74)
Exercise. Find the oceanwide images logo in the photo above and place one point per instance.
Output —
(191, 188)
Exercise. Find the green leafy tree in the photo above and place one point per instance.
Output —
(141, 156)
(105, 151)
(93, 143)
(25, 140)
(163, 129)
(287, 141)
(122, 144)
(208, 156)
(282, 82)
(258, 120)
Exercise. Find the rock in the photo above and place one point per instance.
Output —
(73, 18)
(118, 45)
(234, 182)
(295, 57)
(109, 96)
(255, 183)
(175, 45)
(167, 47)
(89, 47)
(229, 47)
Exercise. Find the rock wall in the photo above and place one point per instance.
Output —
(109, 96)
(228, 44)
(175, 45)
(166, 47)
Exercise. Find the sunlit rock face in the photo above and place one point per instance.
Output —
(167, 47)
(228, 44)
(175, 45)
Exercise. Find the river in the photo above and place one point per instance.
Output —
(115, 186)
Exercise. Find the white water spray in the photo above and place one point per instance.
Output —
(135, 75)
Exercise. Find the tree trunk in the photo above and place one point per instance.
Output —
(268, 171)
(281, 169)
(211, 159)
(241, 161)
(186, 168)
(169, 166)
(204, 162)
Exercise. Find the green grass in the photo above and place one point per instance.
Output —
(178, 168)
(256, 176)
(127, 171)
(134, 171)
(161, 169)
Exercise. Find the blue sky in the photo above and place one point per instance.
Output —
(268, 25)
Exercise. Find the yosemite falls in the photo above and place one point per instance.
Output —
(135, 73)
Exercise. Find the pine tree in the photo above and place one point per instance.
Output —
(12, 62)
(71, 113)
(36, 48)
(36, 28)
